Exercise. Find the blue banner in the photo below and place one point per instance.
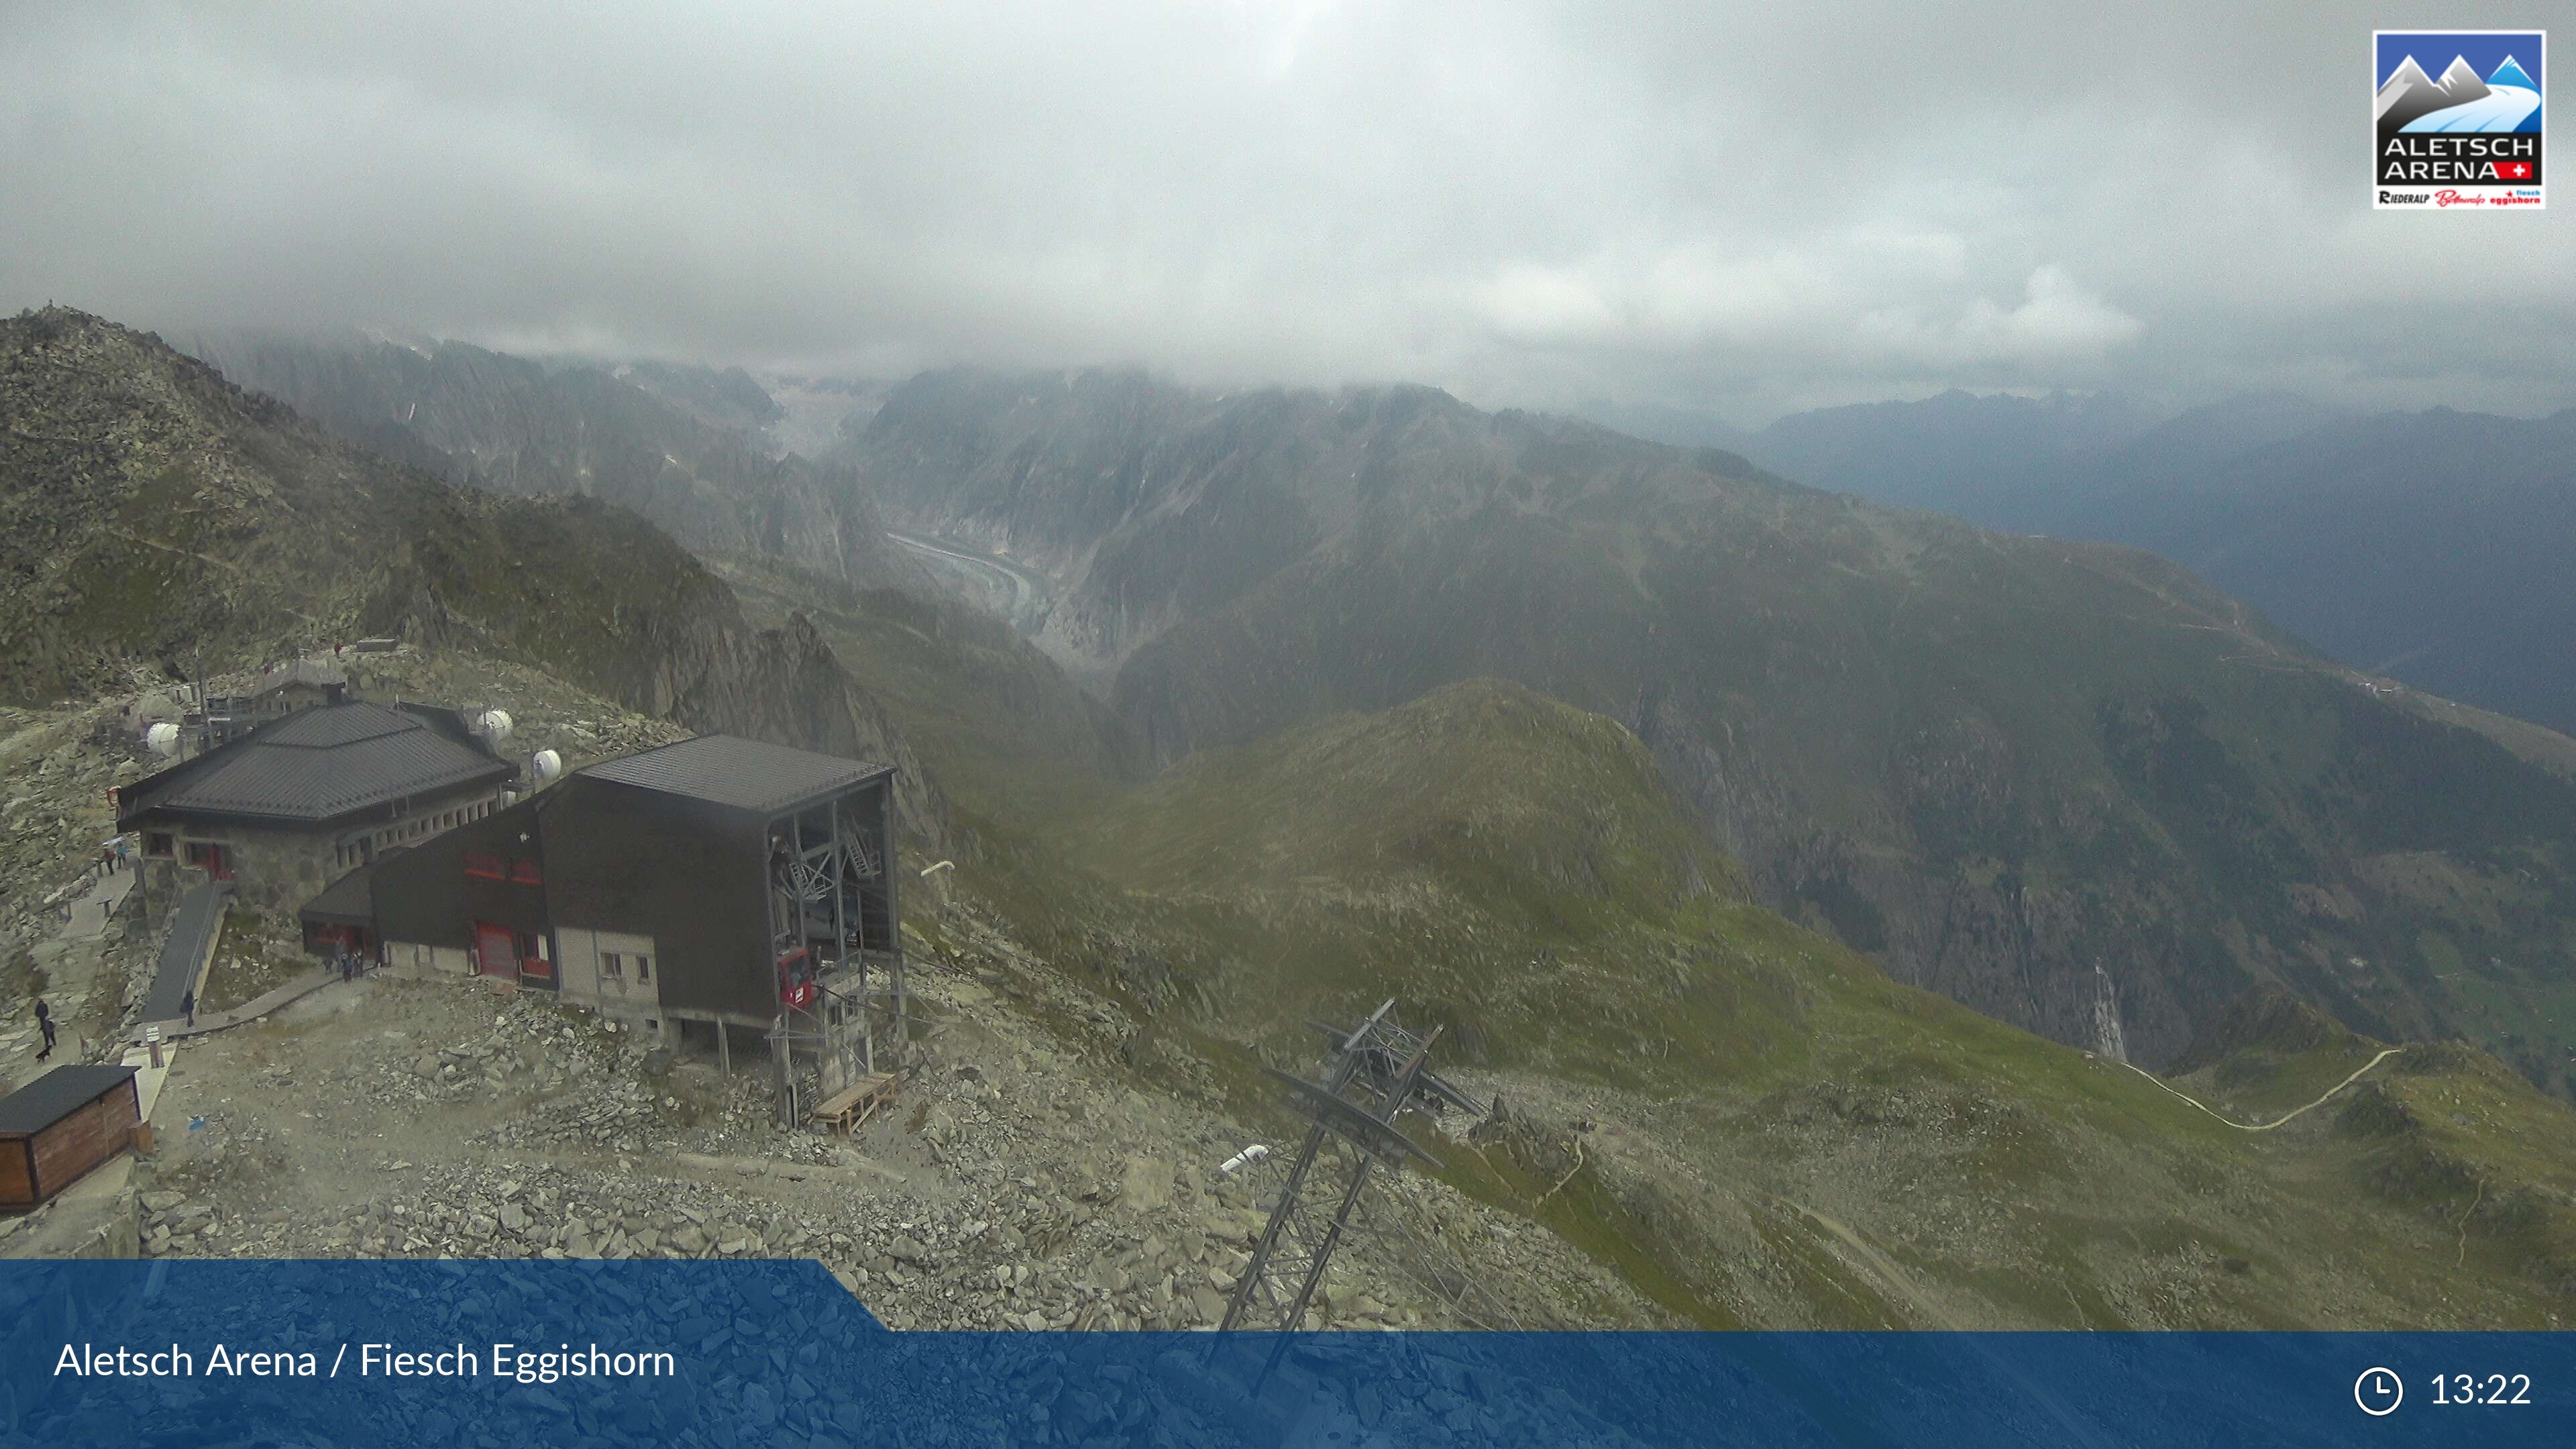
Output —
(754, 1353)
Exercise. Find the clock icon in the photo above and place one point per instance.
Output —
(2379, 1391)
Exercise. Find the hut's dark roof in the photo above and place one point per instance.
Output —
(319, 764)
(56, 1095)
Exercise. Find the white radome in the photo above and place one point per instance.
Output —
(496, 723)
(163, 738)
(548, 765)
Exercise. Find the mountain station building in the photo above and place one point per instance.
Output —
(714, 883)
(308, 792)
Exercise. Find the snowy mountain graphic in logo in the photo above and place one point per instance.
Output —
(2464, 137)
(2503, 102)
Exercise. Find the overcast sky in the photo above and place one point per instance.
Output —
(1693, 206)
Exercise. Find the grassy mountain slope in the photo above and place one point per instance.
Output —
(2069, 785)
(151, 512)
(1794, 1136)
(1780, 1135)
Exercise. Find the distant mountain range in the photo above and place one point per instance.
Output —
(680, 445)
(2068, 784)
(2430, 547)
(2027, 771)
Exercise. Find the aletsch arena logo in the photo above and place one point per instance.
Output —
(2465, 136)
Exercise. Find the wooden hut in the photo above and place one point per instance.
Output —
(59, 1126)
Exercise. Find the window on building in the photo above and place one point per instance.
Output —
(612, 966)
(534, 958)
(643, 968)
(525, 872)
(157, 843)
(482, 867)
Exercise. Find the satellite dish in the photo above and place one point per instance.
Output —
(548, 765)
(163, 738)
(495, 722)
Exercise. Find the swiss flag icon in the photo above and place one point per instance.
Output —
(2514, 170)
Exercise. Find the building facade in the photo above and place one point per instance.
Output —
(298, 799)
(719, 881)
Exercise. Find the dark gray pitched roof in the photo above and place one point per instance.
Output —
(348, 901)
(319, 764)
(56, 1095)
(732, 771)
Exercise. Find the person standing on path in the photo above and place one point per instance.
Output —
(188, 1008)
(45, 1024)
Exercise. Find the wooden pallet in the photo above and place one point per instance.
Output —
(847, 1110)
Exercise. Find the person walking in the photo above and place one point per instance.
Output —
(188, 1007)
(45, 1024)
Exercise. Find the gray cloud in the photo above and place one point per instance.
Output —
(1685, 206)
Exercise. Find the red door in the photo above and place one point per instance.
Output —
(219, 863)
(499, 956)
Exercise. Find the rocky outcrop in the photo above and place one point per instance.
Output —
(156, 513)
(669, 442)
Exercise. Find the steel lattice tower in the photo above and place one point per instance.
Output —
(1375, 1070)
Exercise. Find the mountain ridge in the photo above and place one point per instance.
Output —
(2417, 545)
(157, 514)
(672, 443)
(2014, 769)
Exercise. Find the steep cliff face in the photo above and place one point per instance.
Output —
(674, 449)
(1146, 504)
(153, 513)
(2069, 785)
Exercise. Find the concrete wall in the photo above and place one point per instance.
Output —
(419, 957)
(279, 870)
(273, 870)
(627, 996)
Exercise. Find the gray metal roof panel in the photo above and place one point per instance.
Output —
(346, 724)
(736, 772)
(56, 1095)
(317, 764)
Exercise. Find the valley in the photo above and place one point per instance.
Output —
(2010, 769)
(1602, 758)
